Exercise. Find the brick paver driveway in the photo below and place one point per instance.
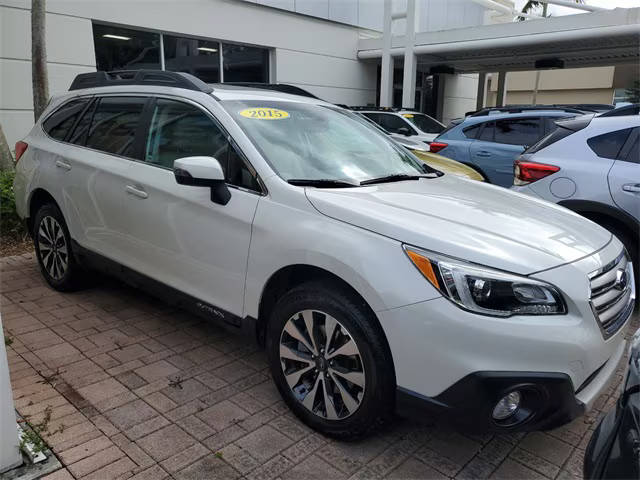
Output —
(145, 391)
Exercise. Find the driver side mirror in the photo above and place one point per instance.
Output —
(203, 172)
(404, 131)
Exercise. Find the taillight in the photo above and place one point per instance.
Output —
(435, 147)
(528, 172)
(21, 147)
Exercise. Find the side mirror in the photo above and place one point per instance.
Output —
(203, 172)
(404, 131)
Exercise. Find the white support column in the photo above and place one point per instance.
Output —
(481, 97)
(386, 73)
(501, 97)
(10, 456)
(410, 59)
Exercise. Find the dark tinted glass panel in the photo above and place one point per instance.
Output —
(472, 132)
(424, 123)
(124, 49)
(62, 120)
(487, 132)
(558, 134)
(517, 131)
(394, 124)
(197, 57)
(181, 130)
(634, 154)
(114, 125)
(608, 145)
(245, 64)
(238, 172)
(79, 134)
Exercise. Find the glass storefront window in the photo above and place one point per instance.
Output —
(197, 57)
(125, 49)
(245, 64)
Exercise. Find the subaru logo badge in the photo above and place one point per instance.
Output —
(621, 280)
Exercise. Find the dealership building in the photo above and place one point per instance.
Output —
(335, 49)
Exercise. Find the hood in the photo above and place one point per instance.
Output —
(470, 220)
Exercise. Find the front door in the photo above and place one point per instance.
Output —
(176, 234)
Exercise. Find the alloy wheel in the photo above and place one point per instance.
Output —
(322, 364)
(52, 246)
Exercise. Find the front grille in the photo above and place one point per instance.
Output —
(613, 294)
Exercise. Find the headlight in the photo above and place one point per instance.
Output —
(484, 290)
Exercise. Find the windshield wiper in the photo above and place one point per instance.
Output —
(320, 183)
(396, 177)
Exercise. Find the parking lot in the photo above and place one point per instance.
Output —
(136, 389)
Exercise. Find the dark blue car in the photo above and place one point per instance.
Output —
(491, 139)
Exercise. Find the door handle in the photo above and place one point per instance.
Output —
(483, 153)
(136, 191)
(631, 187)
(61, 164)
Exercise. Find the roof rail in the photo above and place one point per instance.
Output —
(524, 108)
(633, 109)
(380, 109)
(140, 77)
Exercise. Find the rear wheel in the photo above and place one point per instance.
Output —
(330, 362)
(53, 249)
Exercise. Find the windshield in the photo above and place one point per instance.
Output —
(317, 142)
(424, 122)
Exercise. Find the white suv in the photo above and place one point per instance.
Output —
(374, 282)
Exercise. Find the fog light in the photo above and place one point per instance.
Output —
(507, 406)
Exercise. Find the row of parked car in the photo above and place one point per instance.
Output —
(375, 282)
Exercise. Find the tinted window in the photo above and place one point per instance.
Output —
(609, 144)
(393, 123)
(424, 123)
(125, 49)
(517, 131)
(79, 134)
(472, 132)
(245, 64)
(487, 132)
(198, 57)
(114, 125)
(182, 130)
(558, 134)
(633, 155)
(58, 124)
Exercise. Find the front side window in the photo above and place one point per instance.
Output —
(181, 130)
(394, 124)
(424, 122)
(315, 142)
(517, 131)
(59, 123)
(114, 124)
(609, 144)
(125, 49)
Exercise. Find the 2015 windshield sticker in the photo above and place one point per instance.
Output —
(263, 113)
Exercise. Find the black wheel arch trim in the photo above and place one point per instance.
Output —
(616, 214)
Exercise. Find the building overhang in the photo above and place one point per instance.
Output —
(584, 40)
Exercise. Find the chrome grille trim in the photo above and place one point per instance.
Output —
(612, 300)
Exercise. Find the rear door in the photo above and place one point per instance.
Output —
(624, 176)
(175, 234)
(500, 142)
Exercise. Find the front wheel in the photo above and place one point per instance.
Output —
(330, 362)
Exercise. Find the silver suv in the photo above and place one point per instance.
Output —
(591, 165)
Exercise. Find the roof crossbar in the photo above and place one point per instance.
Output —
(140, 77)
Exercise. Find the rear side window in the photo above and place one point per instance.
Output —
(59, 124)
(609, 144)
(487, 132)
(114, 124)
(517, 131)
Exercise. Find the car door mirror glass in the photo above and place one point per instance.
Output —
(203, 172)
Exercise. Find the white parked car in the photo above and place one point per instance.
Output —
(374, 282)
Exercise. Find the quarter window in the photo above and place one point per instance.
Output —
(58, 124)
(182, 130)
(114, 125)
(609, 144)
(517, 131)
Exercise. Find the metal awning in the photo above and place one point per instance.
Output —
(584, 40)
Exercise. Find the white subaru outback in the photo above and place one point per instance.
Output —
(374, 282)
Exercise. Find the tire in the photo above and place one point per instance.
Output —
(58, 264)
(351, 408)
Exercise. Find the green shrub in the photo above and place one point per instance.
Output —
(10, 223)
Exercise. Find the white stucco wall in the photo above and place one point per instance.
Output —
(314, 54)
